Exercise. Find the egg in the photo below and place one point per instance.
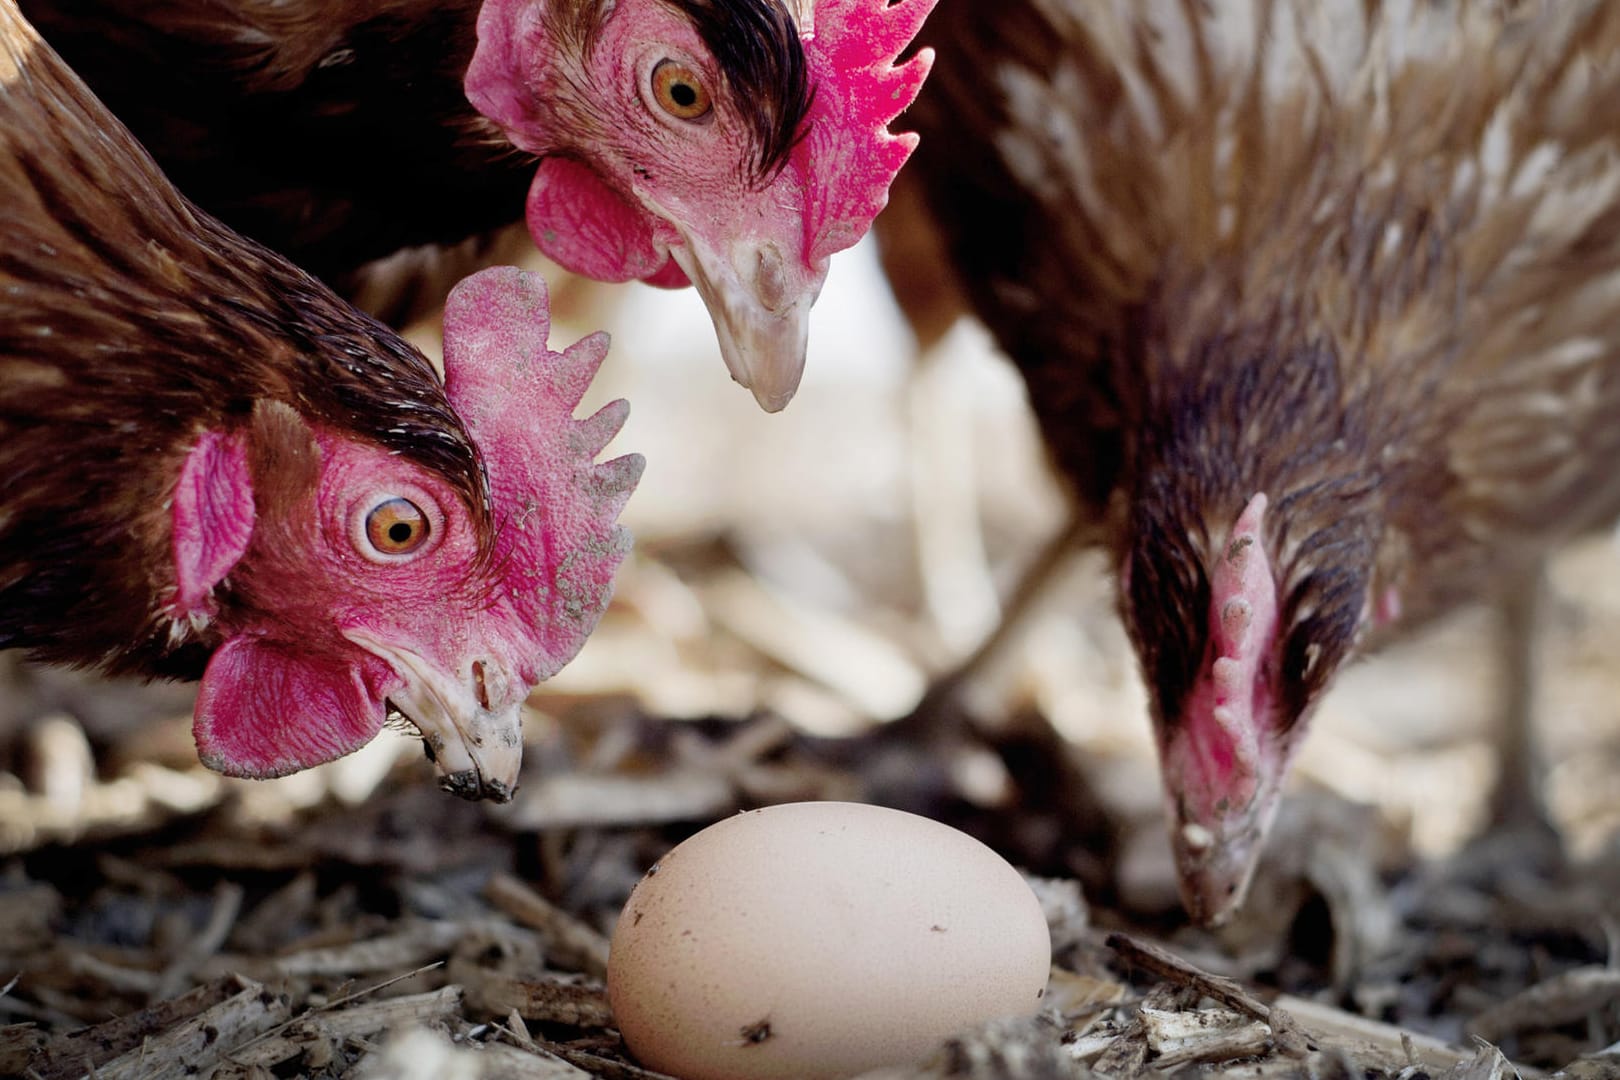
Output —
(818, 940)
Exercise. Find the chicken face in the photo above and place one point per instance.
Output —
(346, 581)
(710, 143)
(1237, 646)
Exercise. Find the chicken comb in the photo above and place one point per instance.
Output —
(848, 155)
(556, 541)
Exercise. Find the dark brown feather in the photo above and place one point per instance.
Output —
(337, 132)
(130, 322)
(334, 131)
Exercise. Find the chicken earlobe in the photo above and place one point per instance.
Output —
(264, 708)
(1223, 765)
(212, 513)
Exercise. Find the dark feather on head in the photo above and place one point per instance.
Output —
(756, 44)
(1207, 448)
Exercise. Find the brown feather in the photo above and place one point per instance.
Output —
(130, 322)
(1163, 197)
(334, 131)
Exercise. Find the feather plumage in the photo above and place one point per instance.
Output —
(1362, 259)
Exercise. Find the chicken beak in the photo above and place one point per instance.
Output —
(471, 725)
(1216, 860)
(760, 303)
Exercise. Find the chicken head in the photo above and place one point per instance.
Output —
(347, 582)
(1240, 629)
(710, 142)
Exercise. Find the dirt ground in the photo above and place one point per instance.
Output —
(799, 582)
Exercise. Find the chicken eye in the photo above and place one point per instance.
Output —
(396, 526)
(679, 91)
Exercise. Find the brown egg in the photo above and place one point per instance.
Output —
(820, 940)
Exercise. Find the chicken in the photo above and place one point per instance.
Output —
(1318, 307)
(212, 466)
(710, 141)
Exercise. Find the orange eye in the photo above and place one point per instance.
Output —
(396, 527)
(679, 91)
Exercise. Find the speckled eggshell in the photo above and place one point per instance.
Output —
(820, 940)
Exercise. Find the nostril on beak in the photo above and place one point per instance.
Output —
(770, 279)
(480, 687)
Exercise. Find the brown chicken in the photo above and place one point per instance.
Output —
(725, 143)
(211, 466)
(1319, 309)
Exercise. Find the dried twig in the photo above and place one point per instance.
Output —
(574, 943)
(1177, 971)
(203, 1042)
(547, 1001)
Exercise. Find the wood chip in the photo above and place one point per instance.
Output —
(413, 946)
(19, 1045)
(545, 1001)
(1359, 1033)
(865, 668)
(28, 916)
(227, 905)
(272, 922)
(502, 1062)
(1064, 906)
(1604, 1065)
(352, 1021)
(148, 796)
(575, 800)
(1182, 1037)
(202, 1043)
(1486, 1064)
(1173, 969)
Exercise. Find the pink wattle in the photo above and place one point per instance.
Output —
(589, 228)
(266, 709)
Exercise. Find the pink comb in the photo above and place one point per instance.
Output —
(848, 155)
(557, 544)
